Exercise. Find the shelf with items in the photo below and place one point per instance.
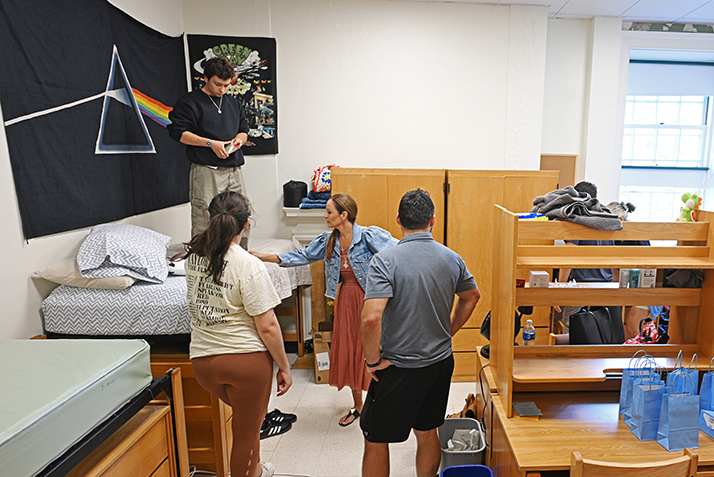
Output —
(543, 367)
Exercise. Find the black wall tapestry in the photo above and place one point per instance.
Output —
(83, 91)
(254, 85)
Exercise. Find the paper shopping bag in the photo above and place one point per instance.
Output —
(706, 393)
(646, 408)
(706, 421)
(639, 365)
(691, 370)
(679, 417)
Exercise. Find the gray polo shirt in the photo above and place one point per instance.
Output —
(420, 277)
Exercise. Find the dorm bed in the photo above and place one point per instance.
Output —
(156, 311)
(61, 399)
(139, 298)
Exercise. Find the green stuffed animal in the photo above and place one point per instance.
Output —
(691, 203)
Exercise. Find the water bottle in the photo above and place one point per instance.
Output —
(529, 333)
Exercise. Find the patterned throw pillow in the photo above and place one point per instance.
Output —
(113, 250)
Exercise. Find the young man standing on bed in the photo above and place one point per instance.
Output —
(213, 126)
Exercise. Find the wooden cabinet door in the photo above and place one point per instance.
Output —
(470, 228)
(378, 192)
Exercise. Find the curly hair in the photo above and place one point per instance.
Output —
(220, 67)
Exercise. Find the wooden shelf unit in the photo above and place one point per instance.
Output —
(691, 325)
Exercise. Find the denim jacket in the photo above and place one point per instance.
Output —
(366, 241)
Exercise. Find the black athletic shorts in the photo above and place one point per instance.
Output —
(404, 399)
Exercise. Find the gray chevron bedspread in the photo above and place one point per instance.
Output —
(146, 309)
(142, 309)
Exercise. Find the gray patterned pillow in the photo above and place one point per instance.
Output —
(113, 250)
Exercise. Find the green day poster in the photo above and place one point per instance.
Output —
(254, 61)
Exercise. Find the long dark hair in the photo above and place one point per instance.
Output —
(342, 202)
(229, 212)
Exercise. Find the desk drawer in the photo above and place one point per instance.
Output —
(144, 457)
(164, 470)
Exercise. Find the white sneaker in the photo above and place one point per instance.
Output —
(268, 470)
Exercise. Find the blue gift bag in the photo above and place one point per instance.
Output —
(706, 393)
(693, 373)
(646, 408)
(679, 417)
(641, 367)
(706, 421)
(651, 379)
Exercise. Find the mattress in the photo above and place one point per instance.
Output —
(55, 391)
(142, 309)
(149, 309)
(284, 279)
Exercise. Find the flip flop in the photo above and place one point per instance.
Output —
(354, 413)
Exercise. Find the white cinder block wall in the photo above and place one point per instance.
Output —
(371, 83)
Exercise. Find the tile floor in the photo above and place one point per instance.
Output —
(317, 446)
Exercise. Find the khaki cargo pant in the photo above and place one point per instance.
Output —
(206, 182)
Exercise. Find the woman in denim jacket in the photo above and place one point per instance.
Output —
(347, 251)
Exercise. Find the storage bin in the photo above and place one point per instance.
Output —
(467, 471)
(454, 458)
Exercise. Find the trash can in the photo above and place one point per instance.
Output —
(467, 471)
(453, 458)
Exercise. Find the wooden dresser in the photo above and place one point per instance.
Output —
(143, 447)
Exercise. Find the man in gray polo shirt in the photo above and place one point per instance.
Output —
(406, 334)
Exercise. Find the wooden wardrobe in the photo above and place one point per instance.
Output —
(465, 221)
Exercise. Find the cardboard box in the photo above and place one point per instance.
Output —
(648, 277)
(322, 361)
(539, 280)
(634, 278)
(323, 332)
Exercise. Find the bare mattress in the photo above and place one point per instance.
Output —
(55, 391)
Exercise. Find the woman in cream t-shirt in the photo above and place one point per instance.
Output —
(235, 335)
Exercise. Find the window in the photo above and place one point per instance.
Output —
(665, 131)
(655, 204)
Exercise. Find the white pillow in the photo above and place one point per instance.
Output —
(112, 250)
(66, 272)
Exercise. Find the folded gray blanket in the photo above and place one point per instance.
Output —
(572, 206)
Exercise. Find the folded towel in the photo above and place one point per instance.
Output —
(305, 200)
(578, 207)
(307, 205)
(319, 195)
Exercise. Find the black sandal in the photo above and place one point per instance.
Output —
(354, 414)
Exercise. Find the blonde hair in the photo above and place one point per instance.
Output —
(343, 203)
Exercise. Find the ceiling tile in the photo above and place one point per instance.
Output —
(589, 8)
(663, 10)
(703, 14)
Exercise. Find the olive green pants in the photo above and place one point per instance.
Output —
(206, 182)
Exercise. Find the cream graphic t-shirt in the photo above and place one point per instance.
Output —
(222, 315)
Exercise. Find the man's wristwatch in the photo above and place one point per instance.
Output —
(209, 143)
(373, 365)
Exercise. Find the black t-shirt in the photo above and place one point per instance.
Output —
(196, 113)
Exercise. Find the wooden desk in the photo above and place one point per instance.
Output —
(587, 422)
